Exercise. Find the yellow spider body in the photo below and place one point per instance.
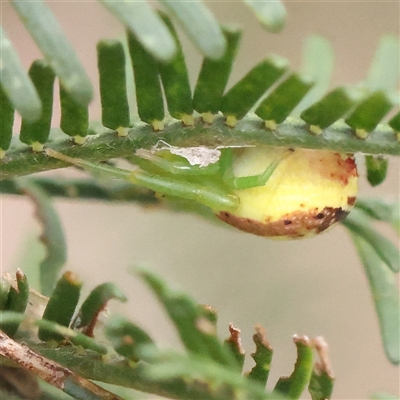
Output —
(308, 192)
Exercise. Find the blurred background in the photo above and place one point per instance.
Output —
(313, 287)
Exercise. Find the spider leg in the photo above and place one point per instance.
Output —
(171, 163)
(214, 197)
(247, 182)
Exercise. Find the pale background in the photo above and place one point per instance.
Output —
(313, 287)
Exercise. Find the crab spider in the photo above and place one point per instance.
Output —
(275, 192)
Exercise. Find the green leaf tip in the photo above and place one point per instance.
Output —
(294, 385)
(16, 84)
(271, 13)
(317, 63)
(175, 79)
(385, 69)
(150, 103)
(48, 35)
(196, 329)
(234, 343)
(262, 356)
(61, 305)
(376, 169)
(146, 25)
(213, 76)
(322, 378)
(95, 303)
(17, 301)
(200, 25)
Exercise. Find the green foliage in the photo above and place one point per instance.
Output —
(346, 119)
(209, 369)
(52, 236)
(363, 111)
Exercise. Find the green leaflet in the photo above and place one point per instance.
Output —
(262, 357)
(376, 169)
(51, 330)
(146, 25)
(16, 84)
(317, 63)
(385, 296)
(6, 122)
(385, 69)
(195, 329)
(95, 303)
(126, 337)
(329, 109)
(381, 210)
(48, 35)
(61, 305)
(293, 385)
(74, 117)
(200, 25)
(359, 224)
(239, 99)
(17, 301)
(271, 13)
(395, 122)
(284, 98)
(175, 80)
(213, 77)
(4, 291)
(52, 237)
(147, 84)
(369, 111)
(36, 133)
(114, 100)
(235, 346)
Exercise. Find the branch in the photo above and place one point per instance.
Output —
(105, 145)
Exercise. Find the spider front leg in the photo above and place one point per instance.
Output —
(264, 170)
(213, 196)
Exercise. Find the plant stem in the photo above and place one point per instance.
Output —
(248, 132)
(52, 372)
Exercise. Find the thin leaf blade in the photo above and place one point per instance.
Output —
(271, 13)
(147, 26)
(52, 237)
(200, 25)
(359, 224)
(15, 82)
(385, 69)
(385, 296)
(318, 61)
(50, 38)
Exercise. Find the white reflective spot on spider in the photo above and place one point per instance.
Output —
(201, 155)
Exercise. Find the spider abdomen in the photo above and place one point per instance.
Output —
(309, 191)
